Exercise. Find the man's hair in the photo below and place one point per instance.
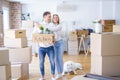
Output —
(46, 13)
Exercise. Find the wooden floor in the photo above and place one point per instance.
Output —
(84, 60)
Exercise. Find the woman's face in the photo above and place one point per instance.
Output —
(55, 19)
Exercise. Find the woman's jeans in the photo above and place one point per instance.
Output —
(42, 53)
(59, 50)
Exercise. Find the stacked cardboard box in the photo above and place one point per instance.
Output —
(105, 54)
(20, 71)
(108, 25)
(15, 38)
(5, 70)
(116, 28)
(73, 43)
(19, 53)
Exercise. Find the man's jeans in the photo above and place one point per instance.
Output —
(42, 53)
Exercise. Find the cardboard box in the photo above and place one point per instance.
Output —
(73, 47)
(43, 38)
(108, 28)
(20, 71)
(105, 65)
(4, 56)
(73, 38)
(27, 24)
(108, 22)
(15, 33)
(82, 32)
(5, 72)
(72, 33)
(15, 43)
(116, 28)
(23, 55)
(105, 44)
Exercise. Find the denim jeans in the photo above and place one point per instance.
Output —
(42, 53)
(59, 50)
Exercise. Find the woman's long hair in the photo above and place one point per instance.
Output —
(58, 18)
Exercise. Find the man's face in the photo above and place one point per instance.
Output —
(47, 18)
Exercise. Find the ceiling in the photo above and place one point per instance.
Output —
(32, 1)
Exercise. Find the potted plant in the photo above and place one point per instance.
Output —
(42, 29)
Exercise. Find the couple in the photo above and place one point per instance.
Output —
(55, 50)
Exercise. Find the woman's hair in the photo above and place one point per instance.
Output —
(58, 18)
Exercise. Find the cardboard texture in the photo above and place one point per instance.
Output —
(4, 56)
(20, 71)
(108, 28)
(43, 38)
(107, 66)
(23, 55)
(73, 47)
(105, 54)
(15, 43)
(15, 33)
(109, 22)
(116, 28)
(5, 72)
(82, 32)
(105, 44)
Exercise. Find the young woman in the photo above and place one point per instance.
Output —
(58, 46)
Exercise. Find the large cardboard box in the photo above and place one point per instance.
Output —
(105, 65)
(15, 33)
(72, 35)
(42, 38)
(15, 43)
(5, 72)
(116, 28)
(4, 56)
(73, 47)
(20, 71)
(105, 44)
(23, 55)
(27, 24)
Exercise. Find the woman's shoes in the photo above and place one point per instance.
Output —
(58, 76)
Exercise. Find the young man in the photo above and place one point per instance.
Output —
(45, 48)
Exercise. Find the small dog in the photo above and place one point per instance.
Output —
(70, 66)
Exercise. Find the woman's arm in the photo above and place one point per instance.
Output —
(55, 28)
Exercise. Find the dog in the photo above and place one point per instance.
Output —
(70, 66)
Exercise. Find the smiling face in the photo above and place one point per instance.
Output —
(47, 18)
(55, 19)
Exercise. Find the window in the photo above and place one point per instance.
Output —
(6, 18)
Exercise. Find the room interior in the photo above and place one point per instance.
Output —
(91, 35)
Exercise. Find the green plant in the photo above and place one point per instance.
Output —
(97, 21)
(41, 27)
(47, 30)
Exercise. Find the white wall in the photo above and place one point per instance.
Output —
(83, 15)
